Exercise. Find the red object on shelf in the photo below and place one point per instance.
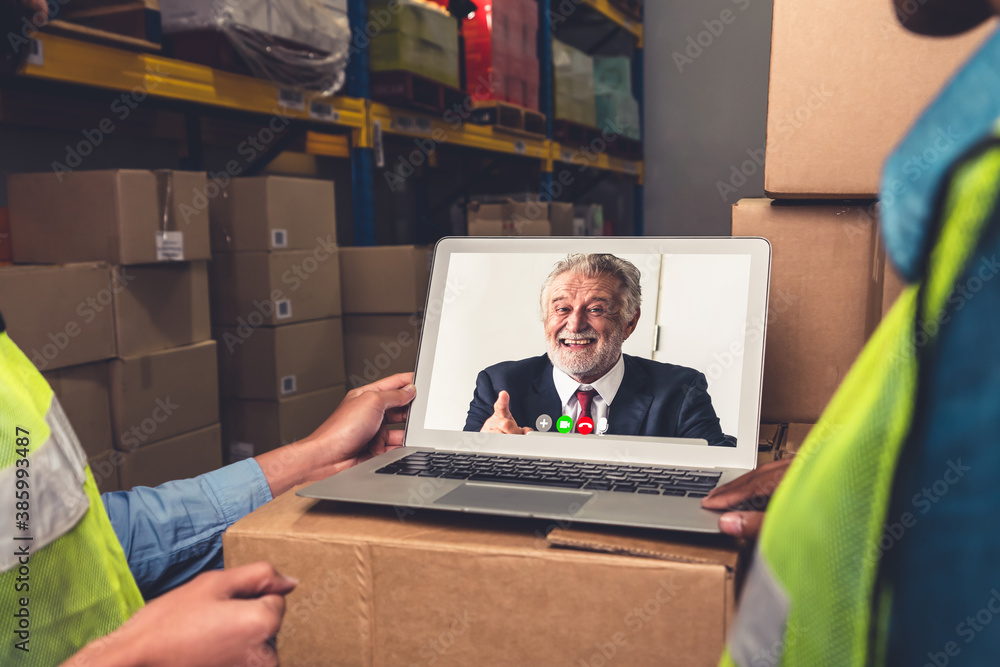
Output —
(501, 52)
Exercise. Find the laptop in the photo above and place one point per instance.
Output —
(614, 414)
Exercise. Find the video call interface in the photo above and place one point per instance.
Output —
(592, 345)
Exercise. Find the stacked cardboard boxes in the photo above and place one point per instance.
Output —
(276, 310)
(574, 85)
(831, 123)
(126, 347)
(415, 36)
(385, 291)
(501, 54)
(617, 109)
(517, 216)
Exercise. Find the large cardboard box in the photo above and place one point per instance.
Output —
(161, 395)
(161, 306)
(104, 468)
(451, 589)
(83, 392)
(123, 216)
(273, 213)
(60, 315)
(892, 286)
(385, 279)
(181, 457)
(826, 298)
(275, 362)
(255, 427)
(847, 82)
(377, 346)
(511, 217)
(273, 288)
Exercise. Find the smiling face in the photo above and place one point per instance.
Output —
(584, 325)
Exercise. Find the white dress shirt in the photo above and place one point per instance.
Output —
(607, 388)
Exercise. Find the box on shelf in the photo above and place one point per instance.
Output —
(105, 470)
(826, 297)
(121, 216)
(617, 109)
(501, 60)
(273, 213)
(255, 427)
(574, 85)
(418, 37)
(83, 393)
(377, 346)
(75, 326)
(180, 457)
(161, 395)
(274, 362)
(161, 306)
(385, 279)
(833, 120)
(273, 288)
(588, 220)
(510, 217)
(647, 595)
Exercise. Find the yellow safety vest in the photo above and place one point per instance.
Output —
(813, 595)
(63, 574)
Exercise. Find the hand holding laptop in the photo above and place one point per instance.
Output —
(748, 495)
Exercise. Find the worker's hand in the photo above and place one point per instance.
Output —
(219, 619)
(502, 421)
(749, 495)
(354, 433)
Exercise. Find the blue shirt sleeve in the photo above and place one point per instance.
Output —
(172, 533)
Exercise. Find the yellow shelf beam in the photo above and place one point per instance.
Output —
(619, 17)
(435, 130)
(138, 75)
(589, 160)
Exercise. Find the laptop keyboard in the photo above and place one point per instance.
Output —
(596, 476)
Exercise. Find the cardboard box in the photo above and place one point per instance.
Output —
(826, 298)
(275, 362)
(273, 288)
(181, 457)
(158, 396)
(892, 286)
(83, 392)
(847, 81)
(273, 213)
(160, 307)
(117, 216)
(478, 590)
(385, 279)
(255, 427)
(520, 218)
(5, 244)
(60, 315)
(104, 468)
(796, 435)
(770, 440)
(377, 346)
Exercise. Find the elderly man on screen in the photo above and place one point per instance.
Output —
(590, 306)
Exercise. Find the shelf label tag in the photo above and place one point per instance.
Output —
(36, 56)
(630, 167)
(567, 156)
(323, 111)
(377, 145)
(291, 99)
(520, 147)
(170, 246)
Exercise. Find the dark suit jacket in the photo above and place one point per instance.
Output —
(654, 399)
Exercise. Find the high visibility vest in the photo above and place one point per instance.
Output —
(813, 595)
(64, 576)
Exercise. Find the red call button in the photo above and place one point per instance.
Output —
(585, 425)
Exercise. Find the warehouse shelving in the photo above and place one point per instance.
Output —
(343, 126)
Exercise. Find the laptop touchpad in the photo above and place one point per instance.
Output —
(516, 499)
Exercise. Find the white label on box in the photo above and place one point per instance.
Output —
(239, 451)
(169, 246)
(323, 111)
(520, 147)
(630, 167)
(279, 238)
(283, 309)
(291, 99)
(289, 384)
(37, 54)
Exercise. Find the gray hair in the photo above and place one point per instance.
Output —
(601, 264)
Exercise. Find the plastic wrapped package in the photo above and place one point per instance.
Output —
(294, 43)
(574, 84)
(420, 37)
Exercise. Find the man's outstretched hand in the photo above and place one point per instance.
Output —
(748, 495)
(502, 421)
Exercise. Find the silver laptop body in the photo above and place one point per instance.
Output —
(705, 305)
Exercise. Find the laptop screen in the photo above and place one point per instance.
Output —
(585, 344)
